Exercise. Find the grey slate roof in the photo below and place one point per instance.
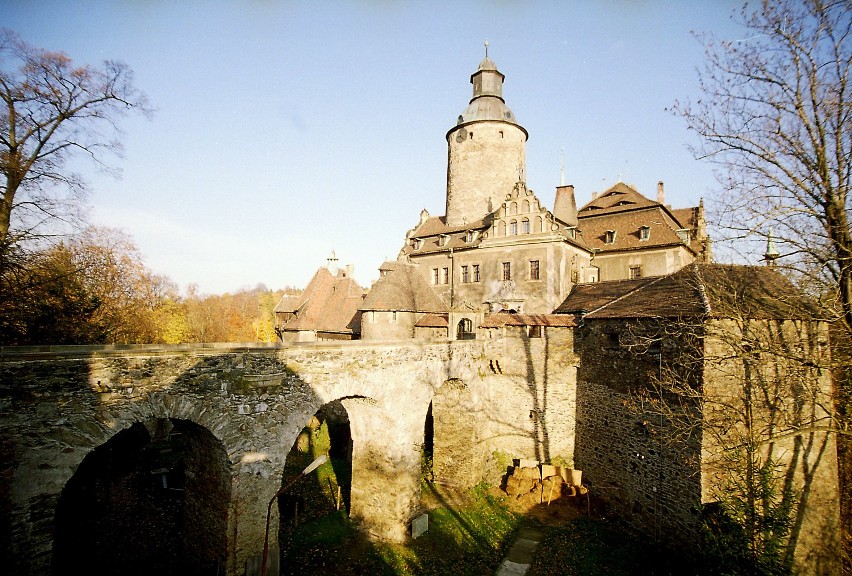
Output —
(402, 288)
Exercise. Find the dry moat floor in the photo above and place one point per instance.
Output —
(470, 533)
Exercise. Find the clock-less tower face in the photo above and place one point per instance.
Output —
(486, 151)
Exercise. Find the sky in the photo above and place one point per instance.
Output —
(285, 130)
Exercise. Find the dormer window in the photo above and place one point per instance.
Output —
(685, 236)
(609, 237)
(469, 236)
(571, 231)
(443, 239)
(417, 243)
(644, 232)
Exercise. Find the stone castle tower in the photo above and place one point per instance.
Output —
(486, 151)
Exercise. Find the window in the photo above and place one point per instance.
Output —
(534, 270)
(434, 275)
(465, 275)
(468, 237)
(445, 276)
(475, 272)
(572, 231)
(513, 227)
(525, 226)
(635, 272)
(507, 270)
(393, 316)
(644, 232)
(534, 331)
(609, 238)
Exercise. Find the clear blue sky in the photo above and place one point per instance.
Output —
(285, 130)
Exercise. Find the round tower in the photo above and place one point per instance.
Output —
(486, 150)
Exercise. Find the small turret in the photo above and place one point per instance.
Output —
(772, 254)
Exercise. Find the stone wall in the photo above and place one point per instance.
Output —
(57, 405)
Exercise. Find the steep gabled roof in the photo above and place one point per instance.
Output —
(662, 230)
(403, 289)
(705, 290)
(329, 303)
(619, 197)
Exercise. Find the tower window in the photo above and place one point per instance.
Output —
(507, 270)
(534, 270)
(501, 133)
(475, 272)
(471, 135)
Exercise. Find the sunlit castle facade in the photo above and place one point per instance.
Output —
(499, 248)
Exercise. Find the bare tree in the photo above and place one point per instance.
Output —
(51, 111)
(775, 116)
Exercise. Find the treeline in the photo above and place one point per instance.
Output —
(95, 289)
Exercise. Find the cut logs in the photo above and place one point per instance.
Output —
(537, 484)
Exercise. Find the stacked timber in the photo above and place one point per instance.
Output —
(534, 484)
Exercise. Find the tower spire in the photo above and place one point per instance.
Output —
(772, 253)
(486, 48)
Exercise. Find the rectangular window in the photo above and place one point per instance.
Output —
(610, 236)
(534, 331)
(635, 272)
(644, 233)
(393, 317)
(434, 275)
(445, 276)
(507, 270)
(534, 273)
(465, 275)
(476, 272)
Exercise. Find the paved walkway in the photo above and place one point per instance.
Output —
(520, 556)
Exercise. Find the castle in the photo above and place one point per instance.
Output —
(592, 321)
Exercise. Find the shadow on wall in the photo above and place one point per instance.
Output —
(120, 464)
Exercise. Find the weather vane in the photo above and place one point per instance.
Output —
(486, 48)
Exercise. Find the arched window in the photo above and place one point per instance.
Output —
(464, 330)
(514, 208)
(501, 229)
(525, 226)
(525, 207)
(539, 224)
(513, 227)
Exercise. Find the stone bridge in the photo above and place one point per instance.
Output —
(241, 407)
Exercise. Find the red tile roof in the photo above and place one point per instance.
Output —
(707, 290)
(329, 303)
(511, 319)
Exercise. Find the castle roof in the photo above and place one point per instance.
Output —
(501, 319)
(614, 221)
(699, 290)
(329, 303)
(401, 288)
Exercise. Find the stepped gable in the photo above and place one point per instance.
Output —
(329, 303)
(707, 290)
(401, 288)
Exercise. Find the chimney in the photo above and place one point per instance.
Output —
(565, 206)
(661, 196)
(331, 263)
(350, 270)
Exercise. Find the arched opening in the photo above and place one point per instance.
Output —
(464, 330)
(152, 500)
(325, 496)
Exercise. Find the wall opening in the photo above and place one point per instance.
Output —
(153, 499)
(327, 491)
